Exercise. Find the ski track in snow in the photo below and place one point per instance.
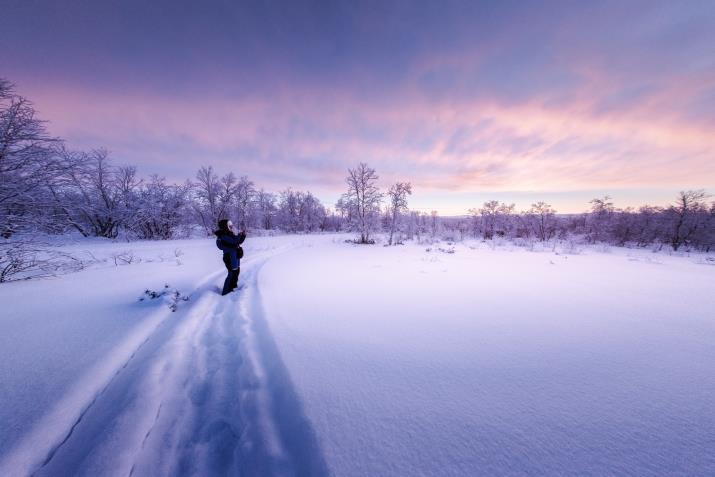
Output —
(196, 392)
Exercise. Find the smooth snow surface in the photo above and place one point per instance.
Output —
(488, 362)
(361, 360)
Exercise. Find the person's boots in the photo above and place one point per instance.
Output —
(227, 284)
(234, 280)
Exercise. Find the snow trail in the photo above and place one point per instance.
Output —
(198, 396)
(40, 443)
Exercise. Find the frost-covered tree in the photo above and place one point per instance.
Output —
(288, 214)
(312, 213)
(265, 210)
(493, 218)
(474, 221)
(489, 218)
(434, 223)
(333, 221)
(299, 212)
(227, 195)
(411, 224)
(397, 194)
(709, 234)
(95, 197)
(206, 198)
(5, 88)
(690, 218)
(542, 220)
(648, 225)
(245, 202)
(462, 228)
(600, 220)
(214, 198)
(505, 221)
(362, 201)
(27, 162)
(160, 209)
(622, 226)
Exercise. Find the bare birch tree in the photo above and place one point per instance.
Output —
(542, 220)
(27, 162)
(363, 200)
(397, 193)
(690, 216)
(245, 201)
(207, 193)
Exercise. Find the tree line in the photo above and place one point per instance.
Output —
(47, 187)
(688, 222)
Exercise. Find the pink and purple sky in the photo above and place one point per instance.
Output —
(517, 101)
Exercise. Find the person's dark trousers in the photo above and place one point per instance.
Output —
(231, 281)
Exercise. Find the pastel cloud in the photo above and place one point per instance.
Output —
(470, 145)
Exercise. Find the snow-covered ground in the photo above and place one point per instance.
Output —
(361, 360)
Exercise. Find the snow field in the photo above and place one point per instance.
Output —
(499, 362)
(361, 360)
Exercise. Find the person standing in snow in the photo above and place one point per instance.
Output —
(230, 244)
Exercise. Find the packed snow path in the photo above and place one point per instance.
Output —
(200, 396)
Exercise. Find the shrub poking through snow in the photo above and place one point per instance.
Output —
(125, 257)
(449, 249)
(171, 296)
(20, 260)
(359, 242)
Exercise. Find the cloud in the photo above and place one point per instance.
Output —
(454, 96)
(477, 144)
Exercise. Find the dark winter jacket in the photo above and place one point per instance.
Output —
(229, 243)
